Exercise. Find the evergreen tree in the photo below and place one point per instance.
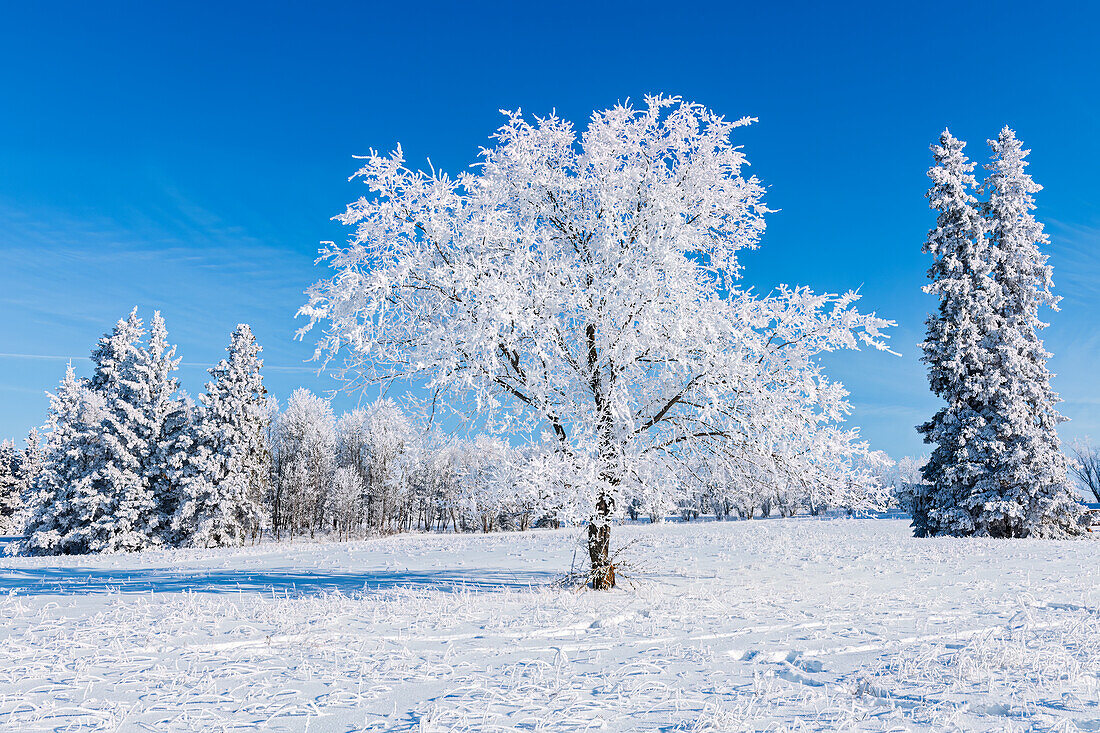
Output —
(997, 469)
(27, 466)
(957, 349)
(68, 486)
(162, 423)
(1026, 493)
(180, 461)
(30, 464)
(130, 520)
(10, 503)
(221, 504)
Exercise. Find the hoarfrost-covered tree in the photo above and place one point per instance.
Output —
(997, 468)
(1086, 467)
(161, 419)
(352, 451)
(486, 480)
(555, 486)
(222, 501)
(130, 520)
(10, 490)
(344, 500)
(958, 348)
(587, 286)
(390, 436)
(1026, 493)
(907, 481)
(443, 470)
(305, 453)
(30, 465)
(68, 495)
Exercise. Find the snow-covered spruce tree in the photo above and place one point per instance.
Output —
(222, 501)
(130, 520)
(177, 461)
(958, 349)
(161, 421)
(1026, 492)
(68, 489)
(586, 286)
(30, 465)
(10, 489)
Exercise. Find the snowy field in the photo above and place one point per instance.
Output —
(761, 625)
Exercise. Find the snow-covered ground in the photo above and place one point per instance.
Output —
(762, 625)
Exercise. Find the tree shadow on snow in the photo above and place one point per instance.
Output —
(290, 582)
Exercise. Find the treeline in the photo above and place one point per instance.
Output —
(379, 469)
(131, 462)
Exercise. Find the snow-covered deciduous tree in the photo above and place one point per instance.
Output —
(861, 489)
(68, 491)
(586, 285)
(222, 500)
(907, 481)
(305, 456)
(486, 480)
(553, 483)
(442, 472)
(1086, 467)
(344, 500)
(353, 451)
(1026, 493)
(390, 436)
(997, 469)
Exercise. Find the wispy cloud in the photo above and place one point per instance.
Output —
(49, 357)
(184, 364)
(1075, 254)
(907, 413)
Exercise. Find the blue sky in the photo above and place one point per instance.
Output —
(189, 159)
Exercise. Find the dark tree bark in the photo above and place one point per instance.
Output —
(599, 544)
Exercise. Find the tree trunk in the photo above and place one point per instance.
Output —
(599, 545)
(599, 529)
